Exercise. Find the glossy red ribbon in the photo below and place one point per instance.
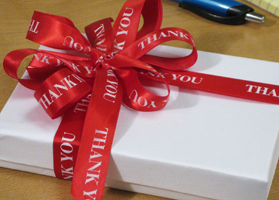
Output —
(89, 78)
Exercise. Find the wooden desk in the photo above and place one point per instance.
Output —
(259, 41)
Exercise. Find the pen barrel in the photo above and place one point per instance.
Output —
(223, 11)
(217, 7)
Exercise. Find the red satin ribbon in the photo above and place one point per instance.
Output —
(112, 59)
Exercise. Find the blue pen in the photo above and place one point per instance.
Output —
(223, 11)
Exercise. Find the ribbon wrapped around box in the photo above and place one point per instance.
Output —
(87, 80)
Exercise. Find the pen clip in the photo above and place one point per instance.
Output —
(230, 20)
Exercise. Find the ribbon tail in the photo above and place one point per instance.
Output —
(67, 140)
(97, 137)
(244, 89)
(239, 88)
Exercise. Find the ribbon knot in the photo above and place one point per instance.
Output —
(109, 56)
(102, 60)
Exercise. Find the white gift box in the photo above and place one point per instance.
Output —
(200, 146)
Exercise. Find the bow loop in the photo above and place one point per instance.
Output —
(141, 47)
(57, 32)
(100, 35)
(127, 23)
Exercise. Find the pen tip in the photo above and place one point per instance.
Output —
(255, 17)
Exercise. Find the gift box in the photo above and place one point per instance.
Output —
(200, 146)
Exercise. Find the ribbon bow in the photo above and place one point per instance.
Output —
(99, 72)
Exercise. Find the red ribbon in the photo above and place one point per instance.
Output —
(88, 83)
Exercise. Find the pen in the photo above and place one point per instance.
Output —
(223, 11)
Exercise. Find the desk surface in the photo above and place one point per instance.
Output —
(259, 41)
